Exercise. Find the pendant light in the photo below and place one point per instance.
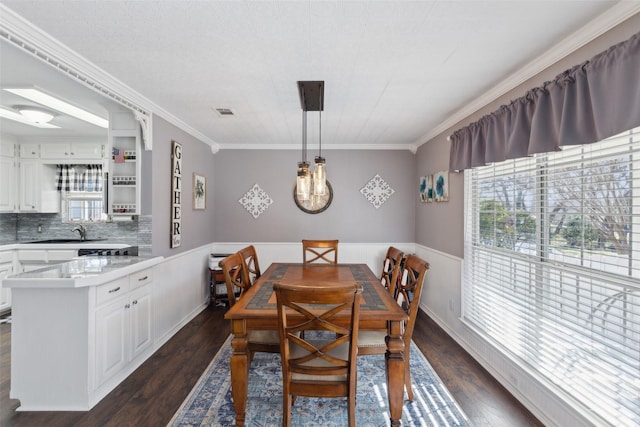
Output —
(310, 186)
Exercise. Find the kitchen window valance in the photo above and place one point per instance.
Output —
(81, 178)
(587, 103)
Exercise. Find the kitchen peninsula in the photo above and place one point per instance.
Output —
(79, 328)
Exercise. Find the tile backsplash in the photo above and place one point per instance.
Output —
(24, 227)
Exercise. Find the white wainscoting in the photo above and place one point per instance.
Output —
(180, 292)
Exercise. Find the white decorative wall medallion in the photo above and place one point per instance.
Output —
(255, 201)
(377, 191)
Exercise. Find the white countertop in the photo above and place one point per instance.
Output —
(81, 272)
(96, 244)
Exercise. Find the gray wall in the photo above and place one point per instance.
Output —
(434, 155)
(350, 218)
(197, 226)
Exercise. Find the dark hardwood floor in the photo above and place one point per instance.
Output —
(152, 394)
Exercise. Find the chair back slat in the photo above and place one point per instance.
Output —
(391, 269)
(320, 250)
(410, 290)
(235, 276)
(252, 267)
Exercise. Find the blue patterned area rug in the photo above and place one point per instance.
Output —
(210, 404)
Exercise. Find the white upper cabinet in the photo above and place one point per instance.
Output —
(71, 151)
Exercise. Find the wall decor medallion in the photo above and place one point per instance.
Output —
(255, 201)
(176, 193)
(441, 186)
(316, 203)
(377, 191)
(199, 192)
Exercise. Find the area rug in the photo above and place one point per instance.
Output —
(210, 404)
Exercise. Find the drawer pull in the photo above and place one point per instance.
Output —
(114, 290)
(143, 278)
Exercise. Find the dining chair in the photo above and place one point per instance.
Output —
(252, 267)
(236, 276)
(391, 269)
(322, 361)
(408, 294)
(320, 250)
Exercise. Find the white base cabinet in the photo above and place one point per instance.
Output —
(69, 359)
(123, 327)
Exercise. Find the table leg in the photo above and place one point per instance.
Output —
(239, 371)
(395, 372)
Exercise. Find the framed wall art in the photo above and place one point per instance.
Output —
(176, 193)
(199, 192)
(426, 189)
(441, 186)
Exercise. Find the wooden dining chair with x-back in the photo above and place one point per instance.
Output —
(408, 293)
(252, 267)
(318, 353)
(237, 277)
(391, 269)
(320, 250)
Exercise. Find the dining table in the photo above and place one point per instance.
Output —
(257, 310)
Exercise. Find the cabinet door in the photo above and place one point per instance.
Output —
(5, 294)
(86, 151)
(111, 339)
(7, 184)
(29, 151)
(55, 150)
(140, 320)
(29, 186)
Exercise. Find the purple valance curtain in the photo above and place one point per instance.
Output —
(585, 104)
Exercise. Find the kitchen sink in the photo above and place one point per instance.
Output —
(66, 241)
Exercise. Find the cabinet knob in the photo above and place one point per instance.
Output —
(127, 306)
(135, 302)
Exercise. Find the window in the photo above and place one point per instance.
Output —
(552, 269)
(81, 187)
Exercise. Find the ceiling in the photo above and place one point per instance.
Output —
(394, 71)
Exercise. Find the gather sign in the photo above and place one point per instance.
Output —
(176, 192)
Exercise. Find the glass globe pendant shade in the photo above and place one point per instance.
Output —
(303, 182)
(320, 177)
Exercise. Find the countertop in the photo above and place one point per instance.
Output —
(95, 244)
(81, 272)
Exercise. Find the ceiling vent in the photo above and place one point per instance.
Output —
(225, 112)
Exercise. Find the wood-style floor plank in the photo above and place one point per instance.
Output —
(152, 394)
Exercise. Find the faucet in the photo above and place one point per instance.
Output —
(80, 229)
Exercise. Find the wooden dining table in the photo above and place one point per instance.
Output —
(257, 310)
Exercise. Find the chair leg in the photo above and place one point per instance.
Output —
(286, 410)
(407, 375)
(352, 411)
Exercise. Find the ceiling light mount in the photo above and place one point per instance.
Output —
(35, 114)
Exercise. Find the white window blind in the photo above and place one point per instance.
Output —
(552, 270)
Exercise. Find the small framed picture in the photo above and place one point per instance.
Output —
(426, 189)
(199, 192)
(441, 186)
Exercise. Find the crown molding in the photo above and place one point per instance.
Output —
(391, 147)
(32, 40)
(604, 22)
